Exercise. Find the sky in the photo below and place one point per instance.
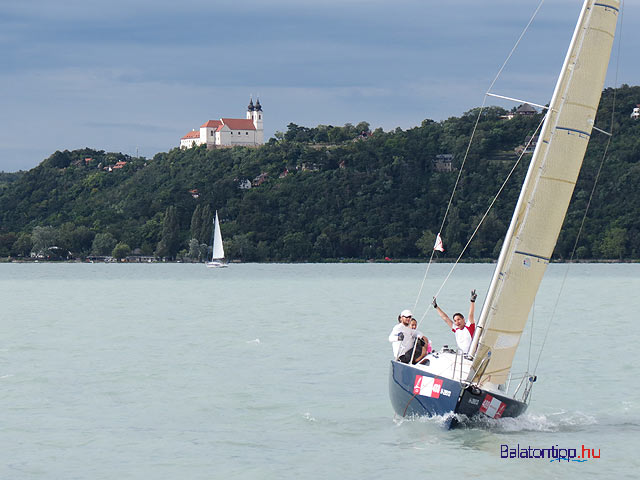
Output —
(134, 76)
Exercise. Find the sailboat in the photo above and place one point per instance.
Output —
(217, 256)
(451, 383)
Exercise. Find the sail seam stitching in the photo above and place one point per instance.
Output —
(557, 180)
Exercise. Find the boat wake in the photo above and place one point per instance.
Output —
(531, 422)
(437, 420)
(528, 422)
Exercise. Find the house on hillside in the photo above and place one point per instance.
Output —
(636, 112)
(229, 132)
(260, 179)
(443, 162)
(526, 109)
(110, 168)
(529, 145)
(244, 184)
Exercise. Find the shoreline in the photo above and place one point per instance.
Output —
(324, 261)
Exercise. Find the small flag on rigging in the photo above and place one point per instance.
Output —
(438, 245)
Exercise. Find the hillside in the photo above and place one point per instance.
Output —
(320, 193)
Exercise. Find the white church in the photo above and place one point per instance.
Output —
(229, 132)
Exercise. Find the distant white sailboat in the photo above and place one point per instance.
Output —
(217, 257)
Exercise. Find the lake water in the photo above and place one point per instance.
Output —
(281, 371)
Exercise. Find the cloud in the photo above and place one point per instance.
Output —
(118, 74)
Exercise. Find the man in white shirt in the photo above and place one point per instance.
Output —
(462, 329)
(403, 338)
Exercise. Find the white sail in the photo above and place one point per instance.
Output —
(546, 192)
(218, 249)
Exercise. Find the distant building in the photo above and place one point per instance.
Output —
(526, 109)
(260, 179)
(636, 112)
(244, 184)
(119, 164)
(443, 162)
(229, 132)
(529, 145)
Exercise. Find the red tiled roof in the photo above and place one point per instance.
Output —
(239, 123)
(192, 134)
(211, 124)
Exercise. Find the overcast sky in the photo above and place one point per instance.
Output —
(136, 75)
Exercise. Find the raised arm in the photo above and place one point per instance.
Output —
(472, 306)
(443, 315)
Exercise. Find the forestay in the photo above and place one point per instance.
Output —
(546, 191)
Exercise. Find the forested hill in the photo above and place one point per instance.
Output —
(321, 193)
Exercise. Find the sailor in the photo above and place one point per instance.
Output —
(402, 338)
(423, 342)
(463, 329)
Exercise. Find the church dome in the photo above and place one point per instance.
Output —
(251, 108)
(258, 106)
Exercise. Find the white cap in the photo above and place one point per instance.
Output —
(406, 313)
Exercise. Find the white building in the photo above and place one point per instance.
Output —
(229, 132)
(636, 112)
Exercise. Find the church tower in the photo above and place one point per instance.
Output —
(254, 112)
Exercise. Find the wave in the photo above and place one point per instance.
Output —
(529, 422)
(563, 421)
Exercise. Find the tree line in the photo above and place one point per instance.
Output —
(322, 193)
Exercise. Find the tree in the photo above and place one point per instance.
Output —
(120, 251)
(197, 251)
(241, 247)
(22, 246)
(426, 242)
(296, 246)
(103, 244)
(322, 248)
(169, 243)
(43, 238)
(394, 246)
(613, 244)
(6, 243)
(196, 225)
(82, 239)
(206, 224)
(201, 223)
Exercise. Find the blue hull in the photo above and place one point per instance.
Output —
(416, 392)
(406, 401)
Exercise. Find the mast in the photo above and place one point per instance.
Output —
(546, 191)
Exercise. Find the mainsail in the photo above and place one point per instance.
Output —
(546, 192)
(218, 249)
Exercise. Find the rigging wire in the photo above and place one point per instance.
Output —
(486, 213)
(473, 132)
(593, 189)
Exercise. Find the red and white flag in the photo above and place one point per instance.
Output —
(438, 245)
